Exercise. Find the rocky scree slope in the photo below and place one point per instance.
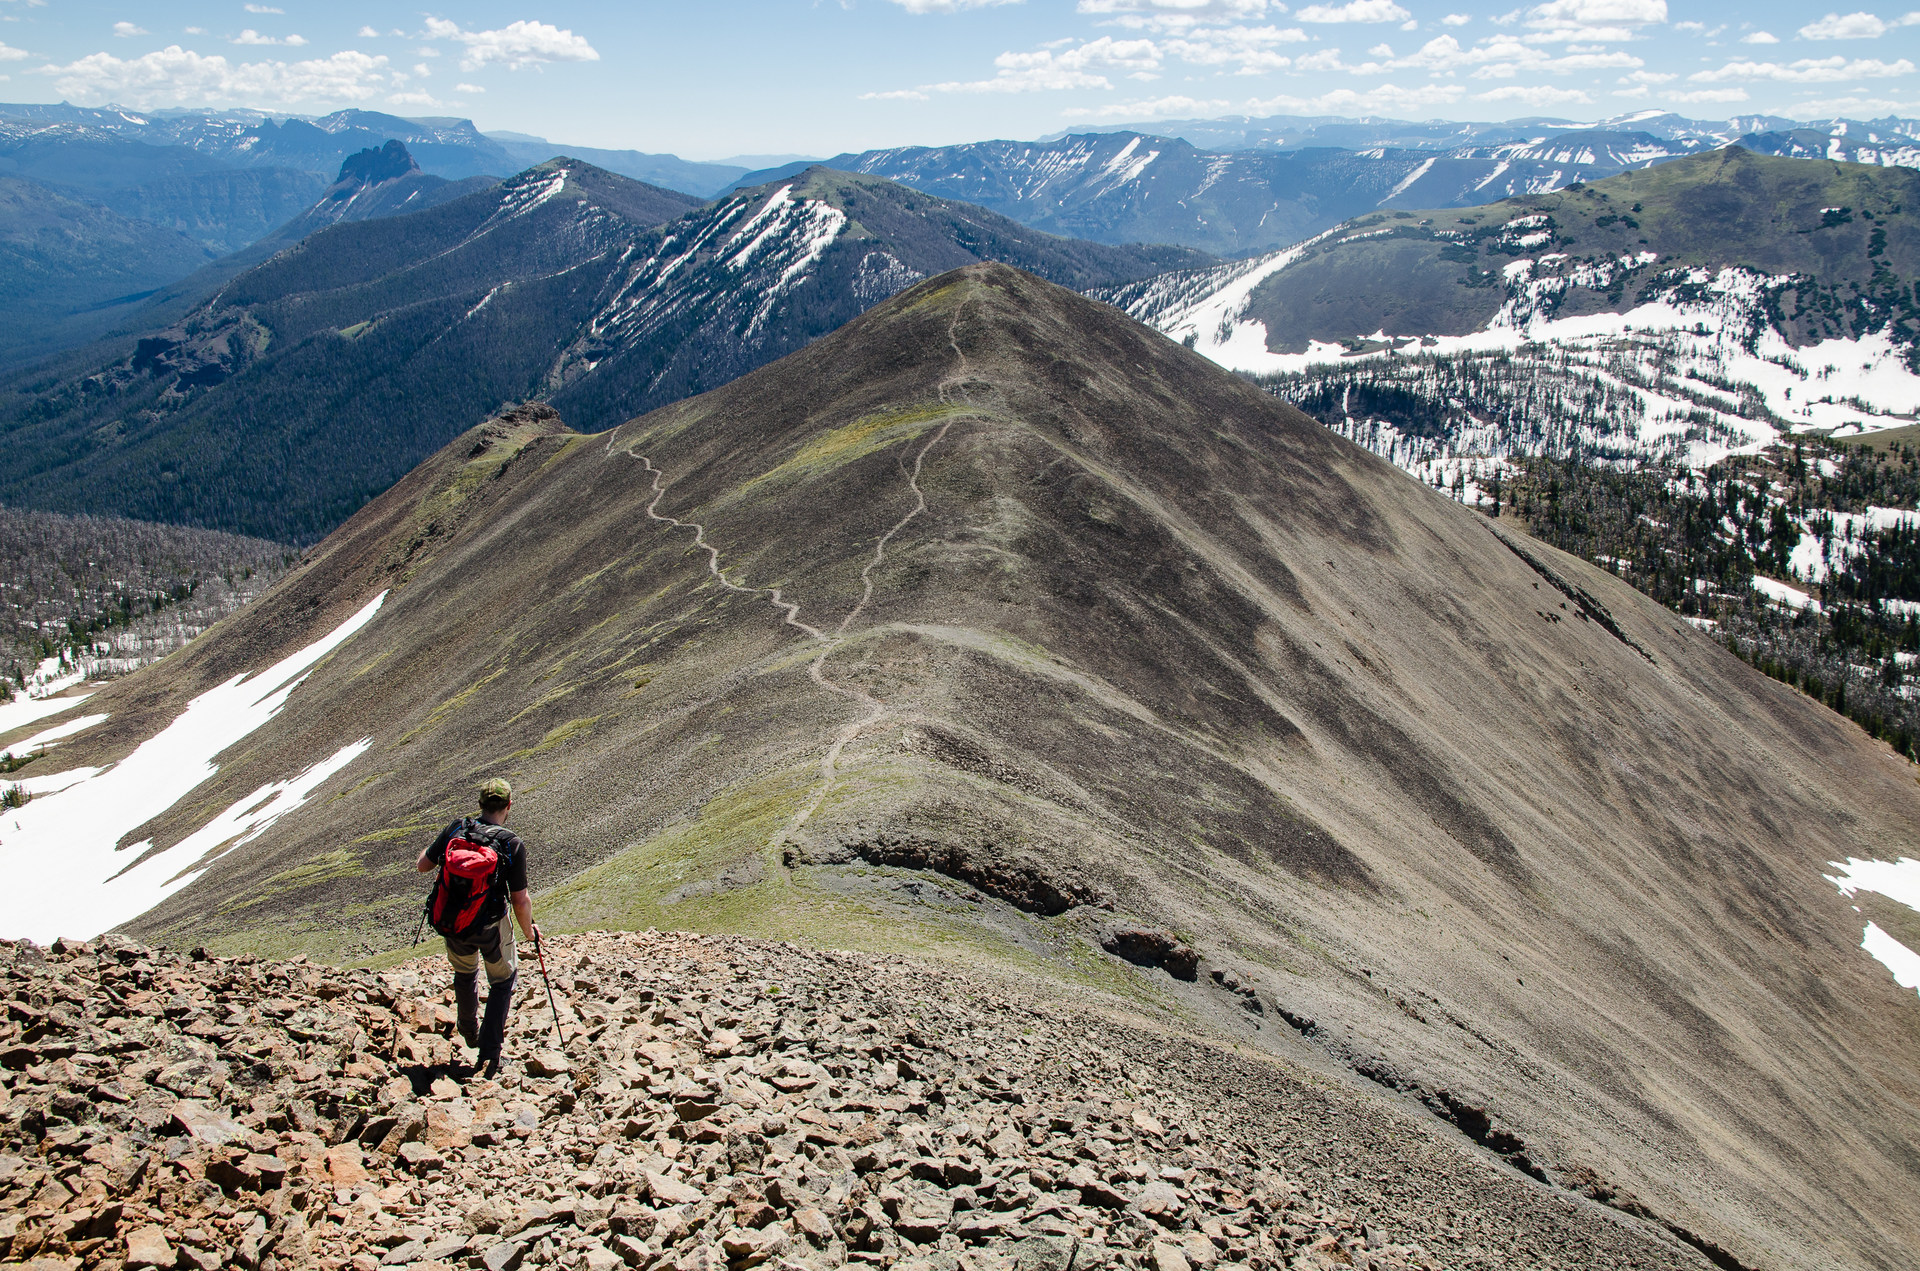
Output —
(718, 1103)
(995, 626)
(370, 345)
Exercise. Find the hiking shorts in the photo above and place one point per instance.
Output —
(494, 944)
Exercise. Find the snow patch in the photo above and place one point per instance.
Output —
(1896, 957)
(1410, 178)
(1898, 881)
(61, 851)
(56, 734)
(22, 711)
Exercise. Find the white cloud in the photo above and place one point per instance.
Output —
(896, 95)
(1649, 77)
(1456, 19)
(423, 70)
(468, 88)
(368, 33)
(1590, 21)
(194, 30)
(1177, 15)
(261, 8)
(1157, 108)
(1597, 13)
(1858, 106)
(177, 76)
(251, 36)
(125, 29)
(1759, 37)
(1354, 11)
(1249, 50)
(1534, 95)
(1497, 57)
(516, 45)
(415, 98)
(1047, 70)
(10, 54)
(1709, 96)
(426, 50)
(1384, 99)
(1807, 70)
(949, 6)
(1854, 26)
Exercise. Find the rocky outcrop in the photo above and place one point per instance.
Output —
(698, 1103)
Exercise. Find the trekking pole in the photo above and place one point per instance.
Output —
(540, 952)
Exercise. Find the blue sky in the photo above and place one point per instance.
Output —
(822, 76)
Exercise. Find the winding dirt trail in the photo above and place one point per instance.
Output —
(875, 709)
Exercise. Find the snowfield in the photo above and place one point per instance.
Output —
(1896, 880)
(69, 875)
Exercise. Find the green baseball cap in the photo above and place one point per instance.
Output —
(496, 788)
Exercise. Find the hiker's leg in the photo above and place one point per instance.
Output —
(493, 1028)
(466, 1007)
(465, 961)
(502, 962)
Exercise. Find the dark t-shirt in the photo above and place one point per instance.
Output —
(513, 853)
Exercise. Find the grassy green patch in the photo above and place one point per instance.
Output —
(867, 435)
(397, 832)
(446, 708)
(559, 735)
(326, 867)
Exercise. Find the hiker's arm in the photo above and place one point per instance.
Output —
(523, 910)
(435, 853)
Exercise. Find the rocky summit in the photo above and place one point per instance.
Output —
(707, 1103)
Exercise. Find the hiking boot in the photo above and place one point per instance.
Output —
(466, 1005)
(493, 1028)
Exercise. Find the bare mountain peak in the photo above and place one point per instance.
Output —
(374, 165)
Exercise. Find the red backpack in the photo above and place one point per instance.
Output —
(471, 893)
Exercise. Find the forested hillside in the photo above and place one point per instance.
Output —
(105, 594)
(1804, 557)
(310, 383)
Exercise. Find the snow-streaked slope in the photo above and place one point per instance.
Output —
(69, 875)
(1121, 187)
(1896, 880)
(1695, 351)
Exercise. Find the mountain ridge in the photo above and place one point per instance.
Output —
(564, 284)
(993, 591)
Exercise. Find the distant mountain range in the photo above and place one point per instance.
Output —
(126, 203)
(310, 382)
(1297, 132)
(1259, 187)
(451, 148)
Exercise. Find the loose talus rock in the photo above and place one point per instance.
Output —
(720, 1103)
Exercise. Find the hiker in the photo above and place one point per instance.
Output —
(483, 874)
